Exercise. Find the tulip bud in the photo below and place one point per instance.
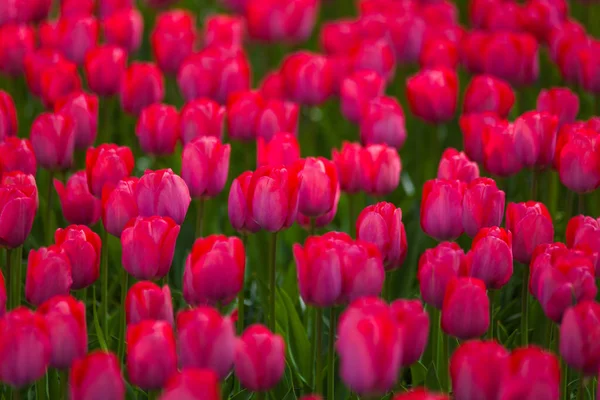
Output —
(238, 206)
(119, 206)
(477, 369)
(421, 394)
(173, 39)
(67, 329)
(224, 30)
(25, 347)
(307, 78)
(8, 116)
(243, 110)
(282, 149)
(466, 308)
(205, 165)
(78, 205)
(380, 169)
(124, 29)
(500, 154)
(106, 165)
(561, 102)
(375, 55)
(49, 274)
(53, 140)
(97, 375)
(77, 35)
(157, 129)
(104, 67)
(142, 85)
(382, 122)
(216, 350)
(16, 41)
(486, 93)
(82, 109)
(214, 270)
(18, 206)
(57, 81)
(473, 127)
(151, 354)
(82, 247)
(272, 20)
(370, 346)
(578, 159)
(535, 138)
(347, 162)
(17, 155)
(147, 301)
(531, 225)
(382, 225)
(432, 94)
(162, 193)
(277, 116)
(437, 266)
(483, 206)
(441, 209)
(200, 118)
(357, 90)
(438, 53)
(490, 258)
(455, 165)
(578, 332)
(197, 383)
(414, 329)
(317, 185)
(532, 374)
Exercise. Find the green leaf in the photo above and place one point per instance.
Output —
(432, 381)
(419, 373)
(298, 338)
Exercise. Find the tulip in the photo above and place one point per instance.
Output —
(8, 116)
(437, 267)
(282, 149)
(311, 397)
(162, 193)
(18, 206)
(512, 57)
(357, 90)
(500, 153)
(532, 374)
(439, 53)
(74, 8)
(432, 94)
(82, 247)
(561, 102)
(380, 170)
(199, 118)
(49, 274)
(25, 347)
(109, 7)
(78, 205)
(3, 296)
(224, 30)
(277, 116)
(148, 246)
(490, 258)
(473, 127)
(375, 55)
(382, 122)
(583, 233)
(124, 29)
(50, 35)
(587, 58)
(348, 164)
(57, 81)
(323, 220)
(67, 330)
(243, 109)
(192, 382)
(238, 210)
(483, 206)
(157, 129)
(414, 329)
(106, 165)
(579, 332)
(53, 140)
(317, 185)
(578, 159)
(477, 368)
(441, 209)
(214, 271)
(147, 301)
(271, 87)
(407, 34)
(382, 225)
(455, 165)
(17, 155)
(141, 85)
(307, 78)
(151, 354)
(119, 206)
(173, 39)
(421, 394)
(339, 36)
(531, 225)
(82, 109)
(216, 350)
(97, 375)
(535, 138)
(104, 68)
(205, 165)
(486, 93)
(35, 62)
(77, 35)
(370, 347)
(16, 41)
(465, 311)
(273, 20)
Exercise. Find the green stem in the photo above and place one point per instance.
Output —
(581, 390)
(15, 268)
(64, 383)
(564, 372)
(104, 284)
(260, 395)
(444, 362)
(435, 332)
(492, 296)
(331, 354)
(535, 178)
(581, 204)
(525, 308)
(200, 217)
(319, 360)
(15, 394)
(351, 213)
(54, 384)
(272, 280)
(48, 222)
(438, 344)
(549, 331)
(123, 327)
(41, 391)
(387, 288)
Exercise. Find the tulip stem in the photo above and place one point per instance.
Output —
(200, 216)
(41, 390)
(272, 283)
(14, 257)
(48, 223)
(351, 211)
(535, 178)
(260, 395)
(319, 341)
(580, 204)
(581, 390)
(492, 296)
(241, 297)
(525, 308)
(104, 283)
(444, 362)
(331, 355)
(123, 326)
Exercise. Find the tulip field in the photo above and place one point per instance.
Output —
(299, 199)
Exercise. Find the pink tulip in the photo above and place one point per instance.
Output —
(490, 258)
(382, 122)
(414, 329)
(259, 358)
(78, 205)
(441, 208)
(164, 194)
(455, 165)
(205, 165)
(157, 129)
(82, 247)
(531, 225)
(49, 274)
(147, 301)
(437, 267)
(466, 308)
(199, 118)
(282, 149)
(97, 375)
(483, 206)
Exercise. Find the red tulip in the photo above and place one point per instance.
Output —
(438, 53)
(162, 193)
(24, 12)
(533, 374)
(477, 369)
(437, 266)
(282, 149)
(49, 34)
(67, 329)
(374, 55)
(3, 296)
(142, 85)
(357, 90)
(18, 206)
(271, 87)
(307, 78)
(119, 206)
(17, 155)
(511, 56)
(82, 247)
(243, 110)
(49, 274)
(561, 102)
(370, 346)
(74, 8)
(97, 375)
(238, 209)
(53, 140)
(274, 20)
(407, 34)
(500, 153)
(414, 329)
(531, 225)
(58, 80)
(579, 333)
(35, 62)
(317, 185)
(16, 42)
(124, 29)
(193, 382)
(151, 354)
(104, 68)
(577, 158)
(106, 165)
(107, 8)
(588, 59)
(583, 233)
(382, 122)
(147, 301)
(380, 169)
(466, 308)
(157, 129)
(205, 165)
(455, 165)
(216, 350)
(337, 37)
(432, 94)
(277, 116)
(490, 258)
(421, 394)
(173, 39)
(535, 138)
(82, 109)
(200, 118)
(77, 35)
(224, 30)
(348, 164)
(25, 347)
(441, 208)
(488, 93)
(473, 127)
(8, 116)
(78, 205)
(483, 206)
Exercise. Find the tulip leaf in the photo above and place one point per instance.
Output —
(432, 380)
(299, 344)
(418, 373)
(242, 395)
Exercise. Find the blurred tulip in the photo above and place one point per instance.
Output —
(579, 333)
(104, 68)
(277, 116)
(374, 55)
(162, 193)
(307, 78)
(16, 42)
(57, 81)
(141, 85)
(77, 35)
(238, 206)
(199, 118)
(216, 350)
(442, 208)
(75, 8)
(473, 127)
(500, 154)
(483, 206)
(437, 266)
(511, 56)
(438, 53)
(276, 20)
(588, 60)
(151, 354)
(380, 169)
(533, 374)
(82, 109)
(243, 110)
(214, 270)
(53, 140)
(157, 129)
(317, 185)
(414, 329)
(357, 90)
(224, 30)
(106, 165)
(486, 93)
(382, 122)
(17, 155)
(455, 165)
(97, 375)
(18, 206)
(421, 394)
(535, 138)
(119, 206)
(82, 247)
(466, 308)
(432, 94)
(67, 329)
(583, 233)
(348, 164)
(25, 347)
(561, 102)
(194, 383)
(8, 116)
(108, 7)
(205, 165)
(407, 34)
(311, 397)
(490, 258)
(173, 39)
(531, 225)
(339, 36)
(49, 35)
(147, 301)
(49, 274)
(577, 159)
(124, 29)
(3, 296)
(370, 346)
(35, 62)
(282, 149)
(271, 87)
